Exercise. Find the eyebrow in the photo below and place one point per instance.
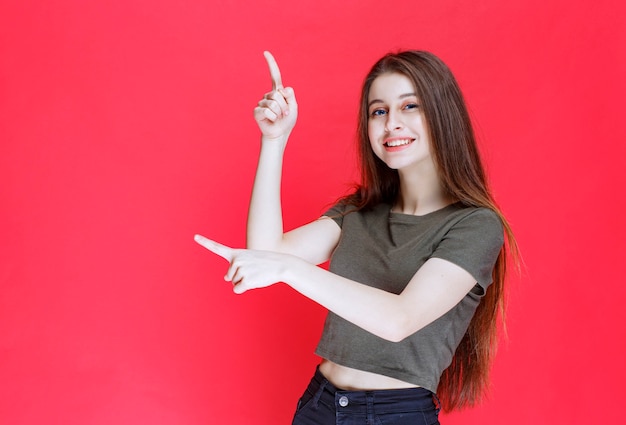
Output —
(402, 96)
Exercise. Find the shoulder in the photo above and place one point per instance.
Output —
(343, 210)
(475, 219)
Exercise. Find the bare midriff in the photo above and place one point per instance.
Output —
(350, 379)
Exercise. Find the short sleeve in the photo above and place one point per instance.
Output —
(336, 212)
(473, 243)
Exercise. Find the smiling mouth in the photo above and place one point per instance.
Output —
(397, 142)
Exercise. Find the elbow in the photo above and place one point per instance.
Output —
(396, 335)
(263, 244)
(398, 329)
(252, 243)
(395, 338)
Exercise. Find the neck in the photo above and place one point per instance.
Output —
(420, 194)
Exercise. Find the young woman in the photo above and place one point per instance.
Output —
(417, 254)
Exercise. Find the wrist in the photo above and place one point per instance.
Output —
(277, 140)
(295, 267)
(274, 148)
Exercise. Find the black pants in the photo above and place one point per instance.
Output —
(324, 404)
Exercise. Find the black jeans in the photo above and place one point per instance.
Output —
(324, 404)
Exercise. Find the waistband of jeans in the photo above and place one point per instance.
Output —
(415, 394)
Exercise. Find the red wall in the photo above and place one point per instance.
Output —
(126, 127)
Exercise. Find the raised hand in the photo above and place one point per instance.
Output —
(277, 112)
(250, 269)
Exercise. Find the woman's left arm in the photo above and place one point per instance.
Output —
(434, 289)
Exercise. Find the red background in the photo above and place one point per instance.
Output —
(126, 127)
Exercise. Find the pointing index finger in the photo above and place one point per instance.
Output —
(216, 248)
(277, 82)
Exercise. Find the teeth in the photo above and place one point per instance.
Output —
(393, 143)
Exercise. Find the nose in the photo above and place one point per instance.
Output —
(393, 122)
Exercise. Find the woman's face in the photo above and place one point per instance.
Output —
(396, 125)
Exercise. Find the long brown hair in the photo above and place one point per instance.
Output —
(462, 176)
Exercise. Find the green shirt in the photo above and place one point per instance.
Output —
(384, 250)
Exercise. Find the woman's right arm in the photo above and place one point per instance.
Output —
(276, 116)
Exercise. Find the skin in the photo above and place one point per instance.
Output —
(395, 117)
(275, 256)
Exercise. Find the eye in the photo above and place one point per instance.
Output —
(410, 106)
(378, 112)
